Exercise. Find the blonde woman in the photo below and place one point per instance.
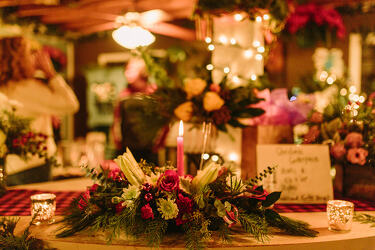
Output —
(40, 101)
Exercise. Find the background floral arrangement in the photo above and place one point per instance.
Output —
(16, 137)
(347, 127)
(312, 23)
(149, 202)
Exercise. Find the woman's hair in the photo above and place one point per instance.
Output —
(15, 60)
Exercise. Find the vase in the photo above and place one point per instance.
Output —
(3, 180)
(359, 182)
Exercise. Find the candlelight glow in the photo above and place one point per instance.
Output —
(181, 129)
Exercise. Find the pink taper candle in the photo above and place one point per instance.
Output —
(180, 150)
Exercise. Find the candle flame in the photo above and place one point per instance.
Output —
(181, 129)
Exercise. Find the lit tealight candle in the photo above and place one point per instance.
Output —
(43, 207)
(180, 150)
(340, 215)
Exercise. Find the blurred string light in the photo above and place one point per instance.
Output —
(255, 51)
(343, 92)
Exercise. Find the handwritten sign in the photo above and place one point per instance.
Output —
(302, 173)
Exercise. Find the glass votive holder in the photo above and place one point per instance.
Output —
(43, 207)
(340, 215)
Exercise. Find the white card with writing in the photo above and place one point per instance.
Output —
(302, 173)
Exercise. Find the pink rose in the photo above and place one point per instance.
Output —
(146, 212)
(312, 135)
(357, 156)
(316, 117)
(338, 150)
(114, 171)
(354, 140)
(169, 181)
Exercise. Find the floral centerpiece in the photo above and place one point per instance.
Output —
(346, 125)
(200, 101)
(311, 23)
(150, 202)
(16, 137)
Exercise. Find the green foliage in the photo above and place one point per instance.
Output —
(364, 219)
(196, 231)
(292, 227)
(9, 241)
(259, 178)
(254, 224)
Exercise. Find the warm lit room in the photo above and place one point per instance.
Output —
(187, 124)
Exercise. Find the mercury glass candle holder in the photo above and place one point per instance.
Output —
(340, 215)
(43, 207)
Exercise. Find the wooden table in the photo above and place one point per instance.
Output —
(361, 237)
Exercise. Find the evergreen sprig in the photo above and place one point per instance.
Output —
(9, 241)
(364, 219)
(292, 227)
(255, 225)
(259, 178)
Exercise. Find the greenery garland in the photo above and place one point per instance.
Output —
(364, 219)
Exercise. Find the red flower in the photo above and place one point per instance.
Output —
(312, 135)
(185, 206)
(338, 150)
(93, 188)
(222, 116)
(357, 156)
(115, 172)
(146, 212)
(316, 117)
(354, 140)
(169, 181)
(83, 202)
(119, 207)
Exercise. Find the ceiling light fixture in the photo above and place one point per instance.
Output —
(131, 34)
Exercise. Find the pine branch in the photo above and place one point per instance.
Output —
(290, 226)
(364, 219)
(255, 225)
(196, 231)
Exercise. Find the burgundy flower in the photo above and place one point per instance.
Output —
(93, 188)
(221, 116)
(83, 202)
(354, 140)
(338, 151)
(148, 197)
(147, 187)
(312, 135)
(119, 207)
(316, 117)
(185, 206)
(146, 212)
(169, 181)
(357, 156)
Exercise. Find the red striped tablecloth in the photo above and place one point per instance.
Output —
(17, 203)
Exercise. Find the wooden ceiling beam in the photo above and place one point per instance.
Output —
(77, 15)
(172, 30)
(97, 28)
